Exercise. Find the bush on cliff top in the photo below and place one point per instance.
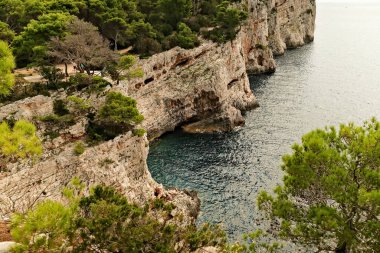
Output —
(120, 109)
(118, 115)
(18, 141)
(105, 220)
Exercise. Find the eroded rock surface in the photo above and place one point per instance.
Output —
(27, 108)
(120, 163)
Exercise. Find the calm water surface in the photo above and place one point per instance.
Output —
(335, 79)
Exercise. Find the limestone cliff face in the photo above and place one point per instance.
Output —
(120, 163)
(208, 85)
(207, 88)
(291, 24)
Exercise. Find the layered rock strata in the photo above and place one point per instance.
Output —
(207, 88)
(120, 163)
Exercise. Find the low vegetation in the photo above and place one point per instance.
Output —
(119, 109)
(139, 132)
(89, 83)
(79, 148)
(105, 221)
(18, 140)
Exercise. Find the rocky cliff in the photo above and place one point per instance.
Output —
(205, 89)
(120, 163)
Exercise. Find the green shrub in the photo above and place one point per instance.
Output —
(98, 84)
(261, 46)
(120, 110)
(61, 121)
(53, 76)
(161, 204)
(93, 83)
(106, 219)
(197, 22)
(22, 90)
(51, 134)
(118, 115)
(96, 133)
(77, 105)
(106, 162)
(122, 69)
(79, 148)
(139, 132)
(18, 140)
(41, 229)
(186, 38)
(60, 107)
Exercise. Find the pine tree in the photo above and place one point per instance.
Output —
(7, 64)
(331, 194)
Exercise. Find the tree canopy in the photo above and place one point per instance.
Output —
(30, 44)
(147, 27)
(331, 194)
(7, 64)
(123, 69)
(6, 33)
(83, 45)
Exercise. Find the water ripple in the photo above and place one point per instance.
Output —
(333, 80)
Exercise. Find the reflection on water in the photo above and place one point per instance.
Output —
(335, 79)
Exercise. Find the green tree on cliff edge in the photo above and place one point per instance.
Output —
(331, 194)
(7, 63)
(105, 221)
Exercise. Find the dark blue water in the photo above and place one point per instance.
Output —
(336, 79)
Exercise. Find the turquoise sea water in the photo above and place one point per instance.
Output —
(335, 79)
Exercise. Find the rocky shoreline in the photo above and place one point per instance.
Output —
(205, 89)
